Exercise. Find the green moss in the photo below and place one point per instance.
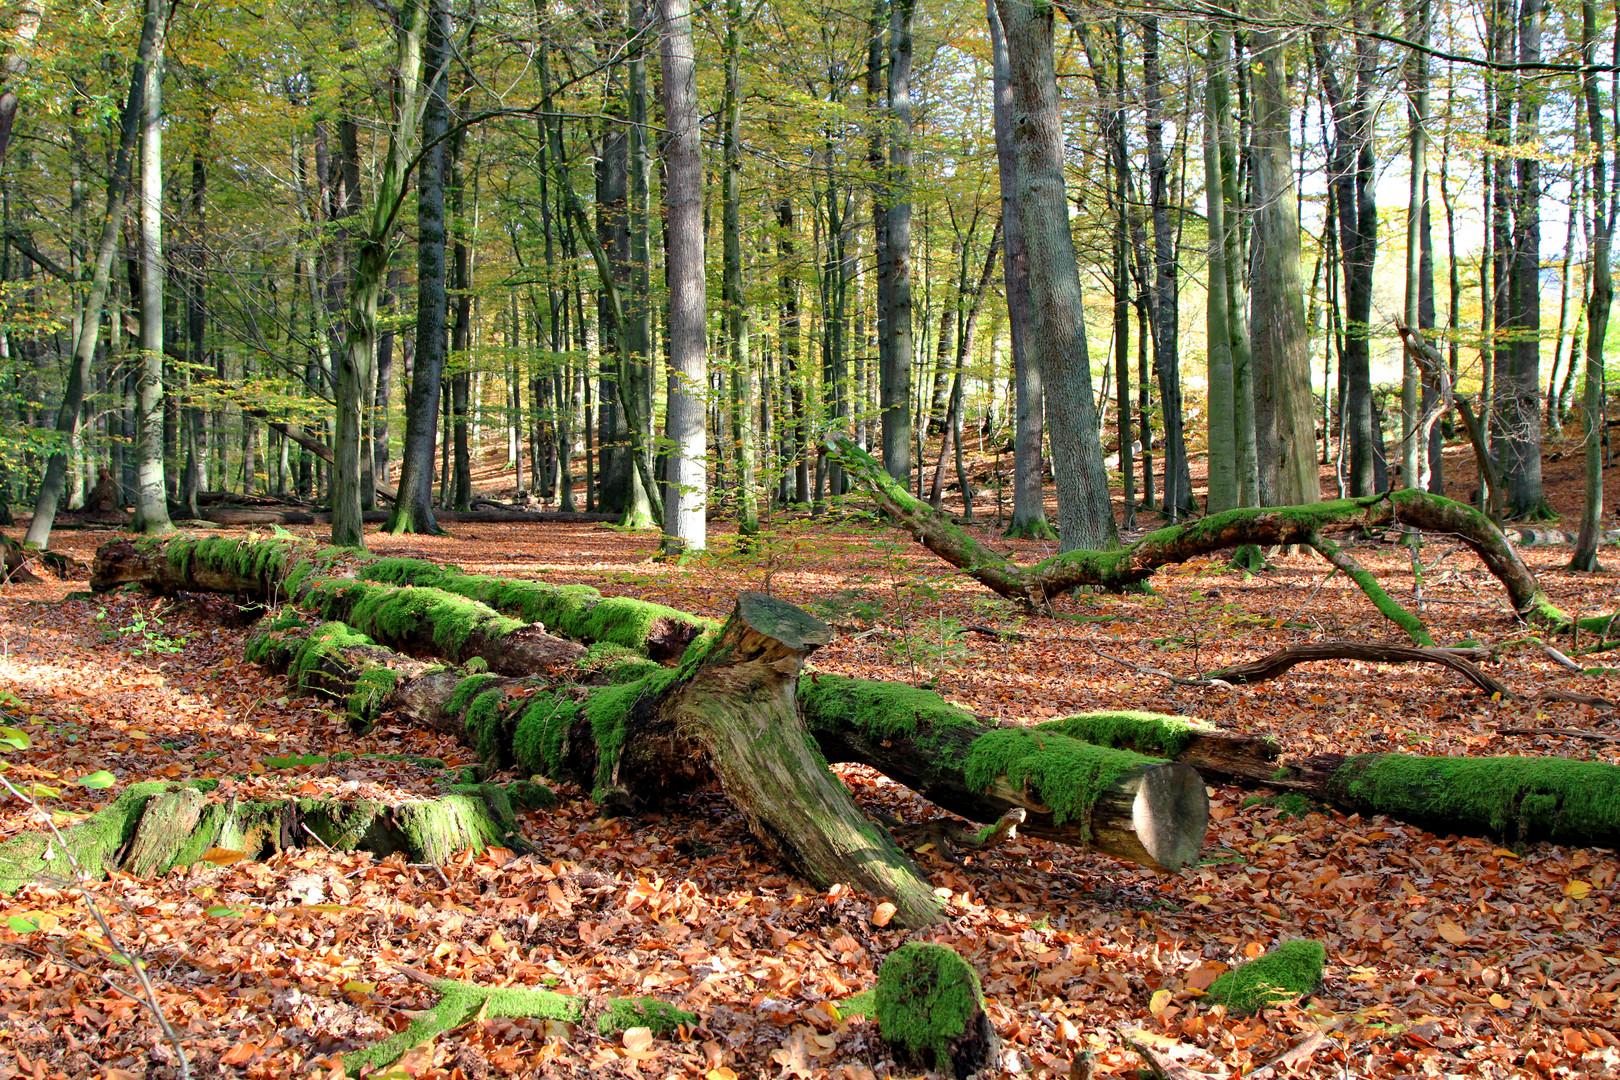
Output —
(1519, 798)
(482, 724)
(925, 998)
(93, 843)
(663, 1018)
(1065, 774)
(459, 1003)
(1287, 972)
(298, 761)
(541, 737)
(861, 1004)
(467, 689)
(609, 711)
(615, 663)
(365, 702)
(325, 641)
(1143, 732)
(403, 614)
(878, 710)
(528, 795)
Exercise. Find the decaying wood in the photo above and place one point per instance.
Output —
(1276, 663)
(1266, 526)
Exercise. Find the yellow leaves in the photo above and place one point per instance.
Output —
(225, 856)
(720, 1073)
(1499, 1002)
(1577, 889)
(1159, 1002)
(1452, 932)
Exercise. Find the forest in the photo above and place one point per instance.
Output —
(1020, 538)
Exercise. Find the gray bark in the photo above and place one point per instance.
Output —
(1604, 207)
(684, 525)
(151, 506)
(1086, 517)
(894, 389)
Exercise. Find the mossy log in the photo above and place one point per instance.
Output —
(153, 827)
(1266, 526)
(728, 713)
(1514, 799)
(1144, 809)
(342, 583)
(634, 732)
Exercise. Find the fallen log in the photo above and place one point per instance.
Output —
(273, 569)
(258, 516)
(1128, 566)
(153, 827)
(1125, 804)
(1276, 663)
(609, 731)
(1515, 799)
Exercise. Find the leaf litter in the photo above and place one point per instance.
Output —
(1445, 955)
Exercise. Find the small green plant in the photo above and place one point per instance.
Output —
(146, 635)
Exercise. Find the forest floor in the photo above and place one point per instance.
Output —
(1446, 955)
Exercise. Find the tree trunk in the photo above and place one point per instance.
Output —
(1029, 498)
(413, 510)
(1284, 428)
(1224, 480)
(1604, 207)
(151, 506)
(1266, 527)
(895, 371)
(736, 302)
(685, 528)
(1085, 514)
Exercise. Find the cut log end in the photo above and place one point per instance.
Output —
(1167, 808)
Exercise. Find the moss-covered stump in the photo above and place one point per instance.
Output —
(1143, 809)
(333, 661)
(1514, 799)
(1266, 526)
(334, 581)
(1286, 973)
(154, 827)
(930, 1010)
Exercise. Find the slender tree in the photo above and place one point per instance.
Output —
(151, 506)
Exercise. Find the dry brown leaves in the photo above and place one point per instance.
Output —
(1446, 955)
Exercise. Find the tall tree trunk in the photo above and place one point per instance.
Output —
(736, 301)
(100, 284)
(1521, 442)
(1164, 296)
(151, 506)
(355, 376)
(1284, 427)
(1414, 458)
(1085, 514)
(1029, 431)
(1224, 480)
(895, 373)
(413, 510)
(684, 525)
(1605, 205)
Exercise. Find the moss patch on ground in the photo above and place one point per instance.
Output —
(622, 1014)
(1143, 732)
(1518, 798)
(925, 999)
(1066, 774)
(458, 1003)
(1289, 971)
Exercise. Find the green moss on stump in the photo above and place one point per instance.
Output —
(93, 843)
(460, 1002)
(1143, 732)
(1065, 774)
(1518, 798)
(402, 614)
(927, 1002)
(540, 740)
(1289, 971)
(622, 1014)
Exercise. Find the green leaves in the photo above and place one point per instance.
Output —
(15, 738)
(97, 780)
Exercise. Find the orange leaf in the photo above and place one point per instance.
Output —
(225, 856)
(1453, 933)
(882, 914)
(240, 1054)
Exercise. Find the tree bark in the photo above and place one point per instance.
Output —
(685, 526)
(895, 372)
(151, 507)
(1123, 567)
(1085, 514)
(1604, 207)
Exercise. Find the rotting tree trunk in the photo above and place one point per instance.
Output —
(1122, 567)
(306, 574)
(152, 827)
(632, 731)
